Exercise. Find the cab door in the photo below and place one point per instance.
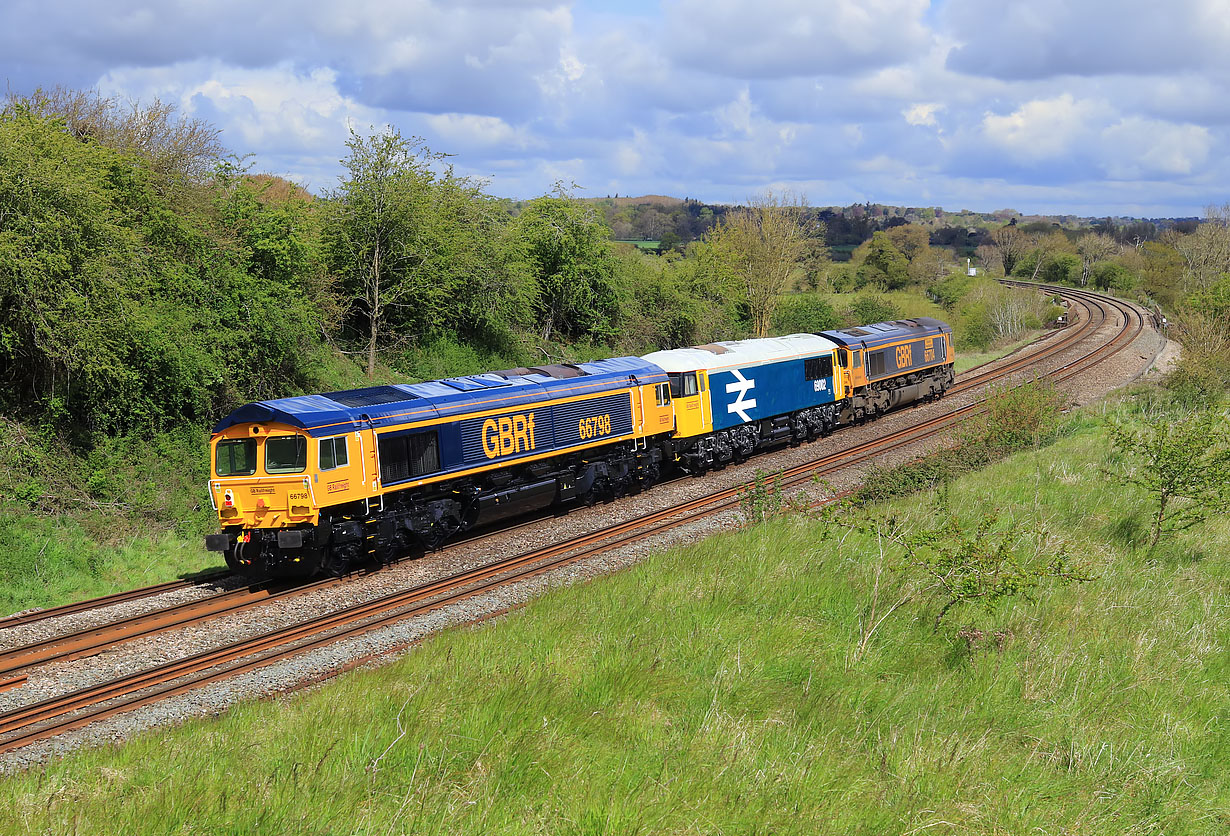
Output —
(706, 404)
(690, 407)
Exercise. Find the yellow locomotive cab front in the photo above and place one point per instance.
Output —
(261, 478)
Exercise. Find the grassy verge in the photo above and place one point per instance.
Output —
(967, 360)
(721, 688)
(73, 524)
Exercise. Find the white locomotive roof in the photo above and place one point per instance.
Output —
(739, 353)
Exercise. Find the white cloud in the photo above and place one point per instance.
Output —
(1137, 148)
(736, 117)
(1048, 38)
(459, 130)
(784, 38)
(273, 107)
(962, 101)
(922, 114)
(1043, 128)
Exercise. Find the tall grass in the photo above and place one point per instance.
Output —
(129, 511)
(721, 688)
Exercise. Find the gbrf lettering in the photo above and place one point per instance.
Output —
(508, 434)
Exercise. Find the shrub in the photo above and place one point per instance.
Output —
(804, 313)
(1183, 462)
(1017, 418)
(868, 309)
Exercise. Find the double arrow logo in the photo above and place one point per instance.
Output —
(742, 403)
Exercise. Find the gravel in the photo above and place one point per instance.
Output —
(1146, 355)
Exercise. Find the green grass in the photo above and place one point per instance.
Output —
(76, 524)
(714, 688)
(46, 561)
(966, 360)
(908, 303)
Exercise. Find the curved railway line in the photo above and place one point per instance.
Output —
(46, 718)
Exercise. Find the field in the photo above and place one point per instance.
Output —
(732, 686)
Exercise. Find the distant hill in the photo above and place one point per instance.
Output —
(651, 199)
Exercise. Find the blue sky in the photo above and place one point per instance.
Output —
(1052, 106)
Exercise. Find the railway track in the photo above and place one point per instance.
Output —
(57, 715)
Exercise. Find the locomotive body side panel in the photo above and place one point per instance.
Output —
(742, 394)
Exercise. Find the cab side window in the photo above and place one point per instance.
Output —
(664, 394)
(333, 453)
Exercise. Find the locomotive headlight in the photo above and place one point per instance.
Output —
(228, 500)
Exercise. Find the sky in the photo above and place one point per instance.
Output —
(1085, 107)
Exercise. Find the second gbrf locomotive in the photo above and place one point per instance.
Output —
(319, 482)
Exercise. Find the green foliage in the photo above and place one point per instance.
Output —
(974, 330)
(1020, 417)
(953, 288)
(118, 312)
(958, 562)
(804, 313)
(1017, 418)
(663, 306)
(1061, 268)
(764, 499)
(1213, 301)
(421, 253)
(573, 267)
(131, 510)
(449, 357)
(1113, 277)
(1202, 375)
(884, 266)
(979, 564)
(869, 309)
(1182, 461)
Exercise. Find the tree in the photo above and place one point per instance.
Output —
(1205, 251)
(882, 263)
(1160, 268)
(1042, 247)
(373, 215)
(411, 246)
(804, 313)
(1093, 248)
(177, 148)
(762, 245)
(911, 240)
(1183, 463)
(572, 262)
(1010, 244)
(122, 310)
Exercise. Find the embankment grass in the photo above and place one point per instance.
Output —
(75, 524)
(719, 688)
(967, 360)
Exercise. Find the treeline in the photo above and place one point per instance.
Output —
(1182, 273)
(670, 223)
(148, 280)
